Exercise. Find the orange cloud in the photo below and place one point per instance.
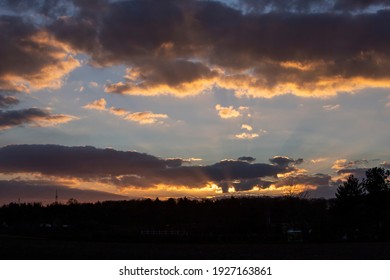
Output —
(51, 76)
(143, 173)
(247, 127)
(182, 90)
(118, 111)
(294, 190)
(180, 78)
(165, 191)
(195, 51)
(54, 120)
(211, 190)
(318, 160)
(227, 112)
(32, 117)
(145, 117)
(248, 136)
(50, 61)
(301, 65)
(268, 80)
(262, 79)
(99, 104)
(339, 164)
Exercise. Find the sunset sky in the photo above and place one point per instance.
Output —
(150, 98)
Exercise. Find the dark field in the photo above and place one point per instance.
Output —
(232, 228)
(30, 248)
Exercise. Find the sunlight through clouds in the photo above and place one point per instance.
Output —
(188, 83)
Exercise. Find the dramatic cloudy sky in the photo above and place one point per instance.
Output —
(111, 99)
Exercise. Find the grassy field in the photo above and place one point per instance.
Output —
(12, 247)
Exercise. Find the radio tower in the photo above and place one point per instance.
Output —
(56, 201)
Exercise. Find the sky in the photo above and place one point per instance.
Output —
(148, 98)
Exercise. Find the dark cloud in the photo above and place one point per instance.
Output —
(310, 5)
(131, 168)
(357, 168)
(240, 175)
(237, 173)
(44, 191)
(46, 8)
(174, 162)
(317, 185)
(30, 57)
(248, 159)
(80, 32)
(359, 4)
(236, 170)
(32, 116)
(284, 161)
(173, 43)
(7, 101)
(284, 6)
(305, 179)
(164, 76)
(244, 184)
(15, 57)
(81, 162)
(139, 170)
(352, 164)
(357, 172)
(293, 37)
(359, 162)
(186, 47)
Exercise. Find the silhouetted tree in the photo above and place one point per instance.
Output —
(350, 211)
(377, 186)
(72, 201)
(350, 191)
(355, 213)
(377, 181)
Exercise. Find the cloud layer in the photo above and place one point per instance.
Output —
(45, 192)
(145, 117)
(312, 5)
(192, 46)
(130, 171)
(7, 101)
(256, 48)
(31, 57)
(133, 169)
(31, 116)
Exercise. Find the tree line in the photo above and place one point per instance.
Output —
(359, 212)
(363, 205)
